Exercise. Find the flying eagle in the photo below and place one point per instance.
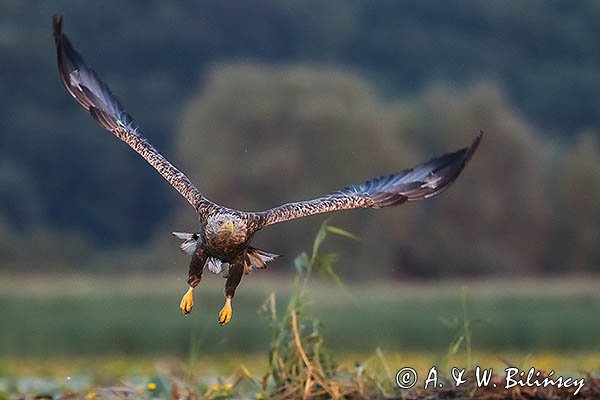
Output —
(225, 234)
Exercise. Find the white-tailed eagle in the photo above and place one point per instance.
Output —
(225, 234)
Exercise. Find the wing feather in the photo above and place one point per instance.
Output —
(421, 182)
(94, 96)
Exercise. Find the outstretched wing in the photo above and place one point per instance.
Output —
(421, 182)
(83, 84)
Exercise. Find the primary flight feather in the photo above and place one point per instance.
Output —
(225, 234)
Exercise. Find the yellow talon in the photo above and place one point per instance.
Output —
(187, 301)
(225, 313)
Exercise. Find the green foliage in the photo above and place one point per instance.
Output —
(498, 218)
(300, 364)
(258, 135)
(574, 239)
(494, 219)
(462, 326)
(322, 127)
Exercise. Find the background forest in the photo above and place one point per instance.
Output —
(266, 102)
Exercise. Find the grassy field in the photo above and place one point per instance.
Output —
(135, 316)
(74, 332)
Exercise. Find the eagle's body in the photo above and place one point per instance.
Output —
(225, 234)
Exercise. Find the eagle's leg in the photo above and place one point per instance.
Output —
(236, 271)
(194, 278)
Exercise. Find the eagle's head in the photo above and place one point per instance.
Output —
(227, 227)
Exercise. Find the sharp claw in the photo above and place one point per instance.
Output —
(225, 313)
(187, 302)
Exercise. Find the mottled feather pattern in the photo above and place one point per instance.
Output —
(421, 182)
(341, 200)
(94, 96)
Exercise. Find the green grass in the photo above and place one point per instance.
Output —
(137, 316)
(124, 336)
(91, 334)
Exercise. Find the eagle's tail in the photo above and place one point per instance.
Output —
(256, 258)
(190, 241)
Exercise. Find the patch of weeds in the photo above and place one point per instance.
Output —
(461, 325)
(300, 364)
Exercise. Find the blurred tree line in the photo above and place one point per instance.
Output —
(426, 76)
(257, 136)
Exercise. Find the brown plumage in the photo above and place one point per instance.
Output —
(225, 234)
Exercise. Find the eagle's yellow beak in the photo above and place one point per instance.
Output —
(228, 225)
